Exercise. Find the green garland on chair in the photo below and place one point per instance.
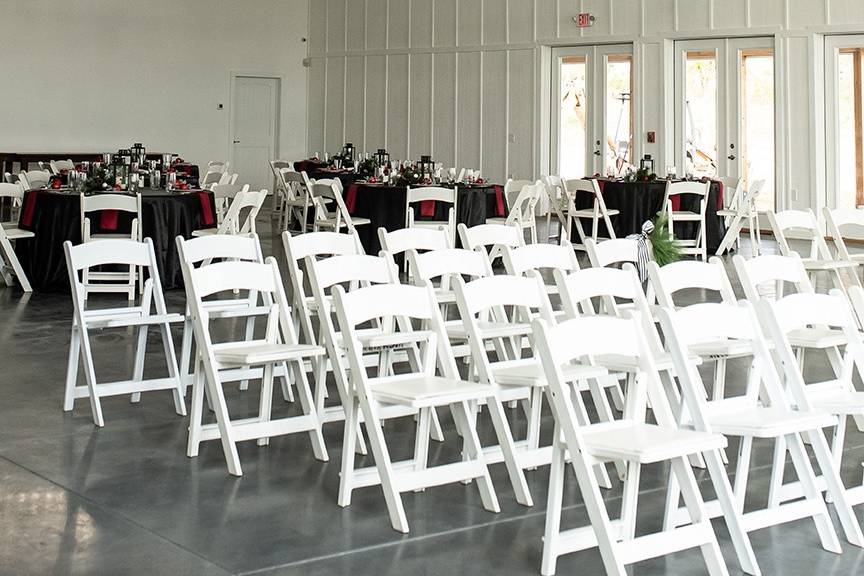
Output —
(663, 246)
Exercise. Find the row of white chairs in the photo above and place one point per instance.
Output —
(590, 343)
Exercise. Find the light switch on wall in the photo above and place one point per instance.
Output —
(220, 106)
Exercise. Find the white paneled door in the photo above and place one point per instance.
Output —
(724, 111)
(844, 121)
(592, 130)
(254, 129)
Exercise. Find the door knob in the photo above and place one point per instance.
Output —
(596, 153)
(236, 141)
(731, 157)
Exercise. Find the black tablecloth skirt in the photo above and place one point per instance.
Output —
(385, 207)
(56, 218)
(640, 201)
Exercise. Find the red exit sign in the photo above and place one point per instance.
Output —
(584, 20)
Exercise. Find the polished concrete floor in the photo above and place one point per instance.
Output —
(125, 499)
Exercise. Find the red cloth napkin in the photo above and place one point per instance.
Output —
(108, 219)
(206, 208)
(500, 207)
(427, 208)
(351, 198)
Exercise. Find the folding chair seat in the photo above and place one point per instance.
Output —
(278, 346)
(140, 317)
(587, 339)
(763, 411)
(422, 387)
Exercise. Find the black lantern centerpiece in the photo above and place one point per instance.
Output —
(647, 164)
(348, 155)
(382, 157)
(426, 167)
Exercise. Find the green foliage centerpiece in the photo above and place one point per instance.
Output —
(663, 245)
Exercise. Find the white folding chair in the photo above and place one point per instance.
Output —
(522, 197)
(398, 242)
(331, 192)
(59, 166)
(742, 209)
(210, 179)
(708, 276)
(10, 267)
(277, 346)
(432, 194)
(217, 166)
(111, 281)
(140, 317)
(295, 200)
(596, 213)
(223, 194)
(203, 251)
(34, 179)
(542, 258)
(802, 223)
(629, 439)
(490, 238)
(421, 389)
(761, 412)
(234, 223)
(279, 190)
(612, 252)
(831, 315)
(699, 245)
(557, 196)
(842, 224)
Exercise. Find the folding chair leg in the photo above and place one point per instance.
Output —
(778, 469)
(140, 351)
(287, 391)
(223, 421)
(742, 471)
(196, 411)
(265, 405)
(173, 371)
(319, 448)
(629, 501)
(511, 457)
(186, 355)
(6, 247)
(437, 434)
(72, 369)
(604, 412)
(421, 442)
(471, 445)
(718, 392)
(250, 334)
(90, 375)
(554, 502)
(349, 438)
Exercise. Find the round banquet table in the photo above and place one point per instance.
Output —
(55, 216)
(640, 201)
(384, 205)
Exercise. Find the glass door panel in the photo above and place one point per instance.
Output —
(757, 122)
(700, 118)
(844, 108)
(619, 125)
(573, 117)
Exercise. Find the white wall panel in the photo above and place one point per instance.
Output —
(376, 101)
(468, 101)
(601, 9)
(625, 16)
(805, 13)
(659, 16)
(421, 23)
(766, 12)
(376, 24)
(520, 16)
(846, 11)
(546, 13)
(397, 105)
(469, 22)
(445, 22)
(495, 21)
(494, 118)
(520, 154)
(398, 24)
(355, 68)
(356, 24)
(317, 26)
(693, 15)
(730, 14)
(420, 118)
(798, 130)
(317, 96)
(336, 25)
(334, 134)
(444, 109)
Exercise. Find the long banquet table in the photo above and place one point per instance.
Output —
(384, 205)
(640, 201)
(55, 216)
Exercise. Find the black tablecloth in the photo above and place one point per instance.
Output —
(385, 207)
(640, 201)
(56, 217)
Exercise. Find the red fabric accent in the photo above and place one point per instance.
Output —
(720, 192)
(427, 208)
(108, 219)
(676, 202)
(28, 209)
(351, 198)
(500, 209)
(601, 184)
(307, 165)
(206, 208)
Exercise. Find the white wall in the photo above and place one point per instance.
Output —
(455, 77)
(98, 75)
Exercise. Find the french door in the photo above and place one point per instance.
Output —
(844, 128)
(592, 129)
(724, 111)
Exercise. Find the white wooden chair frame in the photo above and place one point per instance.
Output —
(111, 281)
(699, 245)
(435, 194)
(322, 193)
(243, 200)
(491, 238)
(278, 346)
(596, 213)
(521, 208)
(140, 318)
(838, 223)
(742, 209)
(10, 266)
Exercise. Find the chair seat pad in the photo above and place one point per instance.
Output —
(588, 213)
(458, 331)
(827, 264)
(723, 348)
(15, 233)
(819, 338)
(836, 400)
(766, 422)
(685, 215)
(419, 391)
(253, 353)
(646, 443)
(528, 372)
(205, 232)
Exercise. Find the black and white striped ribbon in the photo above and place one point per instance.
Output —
(644, 253)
